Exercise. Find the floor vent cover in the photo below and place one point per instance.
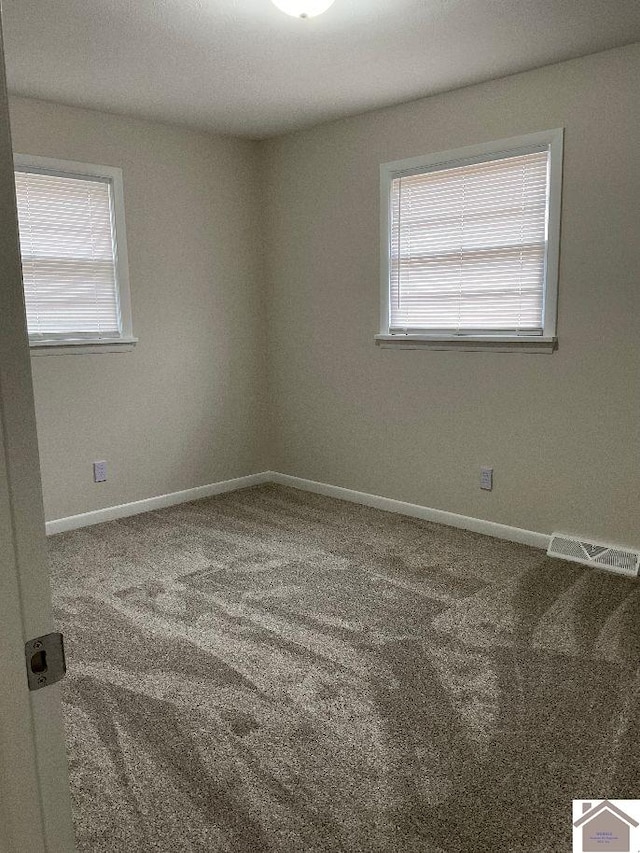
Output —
(608, 557)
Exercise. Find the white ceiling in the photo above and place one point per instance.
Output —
(245, 68)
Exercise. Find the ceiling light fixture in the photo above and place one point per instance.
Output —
(303, 8)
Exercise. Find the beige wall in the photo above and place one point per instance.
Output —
(560, 430)
(185, 408)
(189, 405)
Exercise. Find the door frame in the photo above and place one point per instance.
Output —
(35, 810)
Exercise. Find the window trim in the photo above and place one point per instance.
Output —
(498, 149)
(62, 344)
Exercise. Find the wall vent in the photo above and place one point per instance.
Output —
(611, 558)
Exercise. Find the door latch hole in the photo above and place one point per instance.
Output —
(39, 662)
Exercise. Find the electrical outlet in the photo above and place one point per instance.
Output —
(486, 478)
(99, 472)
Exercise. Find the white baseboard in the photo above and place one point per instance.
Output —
(110, 513)
(439, 516)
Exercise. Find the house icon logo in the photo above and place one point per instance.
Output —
(603, 826)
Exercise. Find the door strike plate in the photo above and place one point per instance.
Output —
(45, 660)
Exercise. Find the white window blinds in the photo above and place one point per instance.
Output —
(468, 247)
(67, 242)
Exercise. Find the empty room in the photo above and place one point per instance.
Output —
(319, 404)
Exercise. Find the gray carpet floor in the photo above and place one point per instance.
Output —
(272, 671)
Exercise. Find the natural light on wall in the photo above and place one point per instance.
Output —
(303, 8)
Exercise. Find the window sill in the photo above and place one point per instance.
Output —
(469, 343)
(39, 348)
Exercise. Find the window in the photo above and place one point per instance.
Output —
(74, 255)
(470, 246)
